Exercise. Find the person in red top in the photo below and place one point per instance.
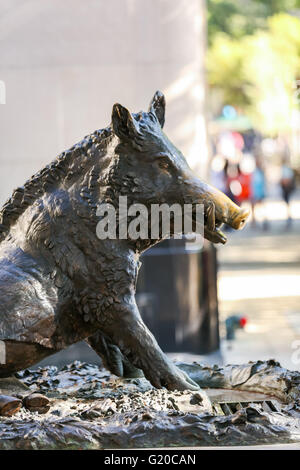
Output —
(245, 181)
(238, 185)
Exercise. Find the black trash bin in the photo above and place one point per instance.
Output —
(177, 296)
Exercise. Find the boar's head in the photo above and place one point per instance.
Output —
(151, 170)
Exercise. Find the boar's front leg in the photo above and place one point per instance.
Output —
(125, 327)
(113, 359)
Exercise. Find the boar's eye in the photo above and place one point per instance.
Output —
(164, 163)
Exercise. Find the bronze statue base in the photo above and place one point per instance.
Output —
(251, 404)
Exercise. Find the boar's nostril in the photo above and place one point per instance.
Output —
(244, 218)
(240, 219)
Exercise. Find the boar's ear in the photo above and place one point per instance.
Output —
(123, 124)
(158, 106)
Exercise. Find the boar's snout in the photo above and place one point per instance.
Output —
(240, 219)
(219, 209)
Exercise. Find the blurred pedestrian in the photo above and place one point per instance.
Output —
(287, 183)
(245, 181)
(230, 173)
(258, 191)
(217, 174)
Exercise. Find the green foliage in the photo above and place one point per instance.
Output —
(253, 60)
(238, 18)
(235, 17)
(226, 71)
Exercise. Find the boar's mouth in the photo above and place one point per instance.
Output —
(212, 226)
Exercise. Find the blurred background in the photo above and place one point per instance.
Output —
(230, 71)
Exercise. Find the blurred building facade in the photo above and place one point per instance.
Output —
(64, 64)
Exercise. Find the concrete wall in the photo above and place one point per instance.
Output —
(65, 62)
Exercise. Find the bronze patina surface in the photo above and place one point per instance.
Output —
(59, 283)
(90, 409)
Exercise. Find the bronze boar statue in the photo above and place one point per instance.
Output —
(59, 283)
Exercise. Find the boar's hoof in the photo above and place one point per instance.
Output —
(119, 365)
(130, 371)
(183, 383)
(175, 379)
(113, 359)
(9, 405)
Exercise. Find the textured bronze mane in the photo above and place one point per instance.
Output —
(61, 169)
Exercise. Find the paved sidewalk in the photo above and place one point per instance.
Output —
(259, 277)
